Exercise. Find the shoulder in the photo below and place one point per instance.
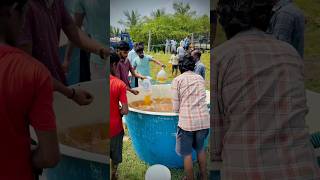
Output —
(149, 57)
(27, 65)
(136, 59)
(116, 82)
(201, 65)
(292, 10)
(199, 77)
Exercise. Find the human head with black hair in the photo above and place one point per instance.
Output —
(114, 60)
(140, 50)
(11, 20)
(187, 64)
(196, 54)
(138, 45)
(240, 15)
(123, 49)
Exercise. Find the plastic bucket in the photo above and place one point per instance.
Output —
(75, 163)
(154, 134)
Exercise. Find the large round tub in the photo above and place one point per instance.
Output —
(153, 134)
(77, 163)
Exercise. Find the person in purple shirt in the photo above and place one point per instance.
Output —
(124, 66)
(41, 35)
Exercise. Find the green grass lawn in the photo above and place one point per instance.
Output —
(134, 169)
(164, 58)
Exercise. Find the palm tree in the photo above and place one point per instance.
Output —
(158, 13)
(132, 18)
(182, 9)
(115, 31)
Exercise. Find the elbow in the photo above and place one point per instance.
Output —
(125, 112)
(51, 161)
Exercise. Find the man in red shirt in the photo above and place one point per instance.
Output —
(26, 97)
(118, 94)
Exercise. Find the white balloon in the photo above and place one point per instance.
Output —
(158, 172)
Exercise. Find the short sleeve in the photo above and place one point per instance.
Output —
(134, 62)
(150, 58)
(41, 114)
(78, 7)
(130, 66)
(123, 94)
(283, 27)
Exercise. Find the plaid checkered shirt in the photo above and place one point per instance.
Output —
(189, 100)
(258, 122)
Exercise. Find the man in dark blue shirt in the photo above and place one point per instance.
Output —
(287, 24)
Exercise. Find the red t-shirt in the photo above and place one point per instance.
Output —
(26, 96)
(118, 90)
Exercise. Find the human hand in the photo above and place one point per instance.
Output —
(82, 97)
(135, 92)
(104, 53)
(164, 66)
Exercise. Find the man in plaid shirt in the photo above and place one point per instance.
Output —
(189, 100)
(258, 122)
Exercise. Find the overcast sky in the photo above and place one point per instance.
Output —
(145, 7)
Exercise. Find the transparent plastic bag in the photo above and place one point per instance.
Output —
(162, 76)
(147, 88)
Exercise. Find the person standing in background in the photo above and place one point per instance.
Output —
(181, 52)
(173, 45)
(97, 17)
(287, 24)
(174, 60)
(200, 68)
(167, 48)
(131, 56)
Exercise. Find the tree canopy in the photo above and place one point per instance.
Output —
(166, 26)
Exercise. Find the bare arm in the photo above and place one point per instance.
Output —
(81, 39)
(137, 75)
(158, 62)
(47, 153)
(78, 18)
(58, 86)
(124, 109)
